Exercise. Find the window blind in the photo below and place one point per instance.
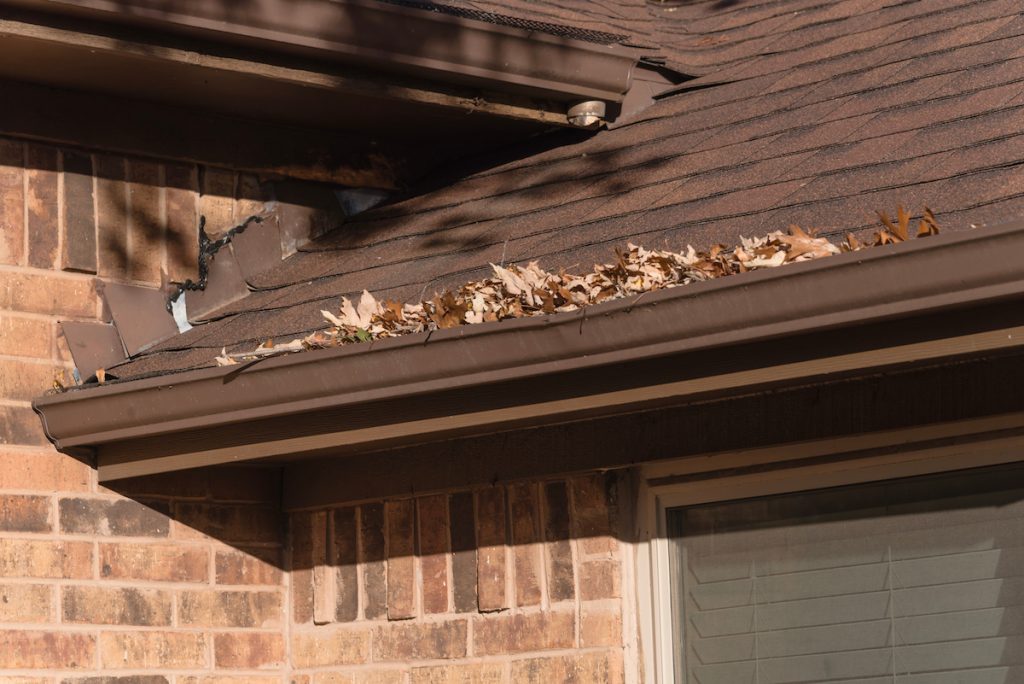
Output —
(912, 581)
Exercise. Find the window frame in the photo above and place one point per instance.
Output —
(789, 469)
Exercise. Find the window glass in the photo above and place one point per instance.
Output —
(918, 580)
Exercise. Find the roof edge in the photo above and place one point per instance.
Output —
(922, 277)
(401, 38)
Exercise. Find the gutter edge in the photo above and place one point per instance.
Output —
(934, 274)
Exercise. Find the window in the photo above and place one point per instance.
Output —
(905, 580)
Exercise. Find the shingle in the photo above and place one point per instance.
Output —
(839, 108)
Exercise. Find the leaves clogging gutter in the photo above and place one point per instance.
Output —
(520, 292)
(319, 400)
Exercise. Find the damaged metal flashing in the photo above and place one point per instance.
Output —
(944, 298)
(142, 317)
(228, 280)
(93, 345)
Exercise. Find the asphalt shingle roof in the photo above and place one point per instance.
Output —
(823, 111)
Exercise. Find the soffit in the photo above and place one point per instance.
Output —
(934, 300)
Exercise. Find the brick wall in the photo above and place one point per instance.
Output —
(517, 583)
(164, 581)
(181, 579)
(67, 216)
(156, 588)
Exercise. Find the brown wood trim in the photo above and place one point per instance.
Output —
(725, 435)
(111, 467)
(397, 38)
(709, 465)
(871, 312)
(125, 56)
(191, 135)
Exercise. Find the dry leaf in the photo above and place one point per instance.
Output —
(224, 359)
(518, 291)
(332, 319)
(928, 225)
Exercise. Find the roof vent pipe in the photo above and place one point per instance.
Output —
(589, 114)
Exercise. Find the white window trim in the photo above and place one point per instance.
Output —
(985, 442)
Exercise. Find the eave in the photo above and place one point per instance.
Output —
(924, 302)
(355, 92)
(355, 48)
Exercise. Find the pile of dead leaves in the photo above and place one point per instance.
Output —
(518, 291)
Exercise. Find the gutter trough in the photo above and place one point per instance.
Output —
(925, 301)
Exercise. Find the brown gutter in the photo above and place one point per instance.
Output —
(610, 358)
(383, 36)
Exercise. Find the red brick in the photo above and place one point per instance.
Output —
(79, 215)
(112, 216)
(590, 496)
(25, 650)
(229, 523)
(42, 470)
(120, 518)
(20, 425)
(22, 513)
(433, 529)
(377, 675)
(335, 678)
(62, 295)
(420, 641)
(182, 197)
(12, 202)
(155, 562)
(117, 679)
(461, 673)
(345, 562)
(463, 541)
(372, 556)
(302, 567)
(152, 650)
(109, 606)
(25, 603)
(217, 201)
(599, 580)
(501, 634)
(62, 352)
(230, 608)
(401, 525)
(232, 679)
(248, 651)
(560, 573)
(253, 566)
(251, 197)
(49, 559)
(605, 545)
(145, 221)
(600, 628)
(324, 648)
(583, 668)
(41, 200)
(30, 337)
(324, 600)
(26, 380)
(491, 539)
(525, 522)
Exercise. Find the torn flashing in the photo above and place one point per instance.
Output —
(207, 250)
